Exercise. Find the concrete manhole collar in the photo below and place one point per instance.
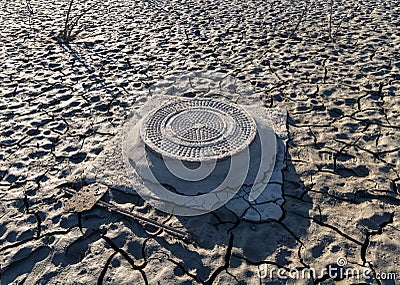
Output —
(198, 129)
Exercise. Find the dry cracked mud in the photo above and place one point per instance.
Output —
(333, 65)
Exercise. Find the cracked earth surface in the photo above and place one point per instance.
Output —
(334, 68)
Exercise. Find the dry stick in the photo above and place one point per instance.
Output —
(77, 18)
(31, 13)
(348, 17)
(298, 23)
(330, 22)
(65, 31)
(113, 208)
(29, 7)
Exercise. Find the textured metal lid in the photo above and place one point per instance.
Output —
(198, 129)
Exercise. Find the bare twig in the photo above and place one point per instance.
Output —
(299, 21)
(70, 23)
(77, 18)
(330, 21)
(29, 7)
(65, 34)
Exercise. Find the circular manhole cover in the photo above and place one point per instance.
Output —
(198, 129)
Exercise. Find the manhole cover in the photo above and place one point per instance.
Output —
(198, 129)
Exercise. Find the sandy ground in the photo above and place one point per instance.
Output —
(337, 74)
